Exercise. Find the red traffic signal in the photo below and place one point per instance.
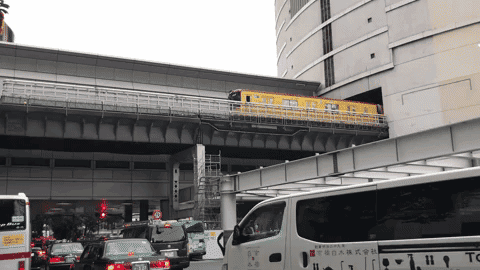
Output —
(102, 209)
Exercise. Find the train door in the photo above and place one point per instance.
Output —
(258, 242)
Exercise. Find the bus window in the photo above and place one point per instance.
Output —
(13, 215)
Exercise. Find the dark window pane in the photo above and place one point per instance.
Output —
(442, 209)
(149, 165)
(186, 167)
(18, 161)
(12, 215)
(107, 164)
(326, 219)
(3, 160)
(72, 163)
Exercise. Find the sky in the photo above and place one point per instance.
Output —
(227, 35)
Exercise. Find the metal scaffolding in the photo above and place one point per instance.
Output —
(207, 191)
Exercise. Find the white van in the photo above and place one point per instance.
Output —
(417, 223)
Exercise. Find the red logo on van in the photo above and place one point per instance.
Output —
(312, 253)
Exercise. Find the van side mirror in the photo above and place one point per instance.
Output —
(236, 235)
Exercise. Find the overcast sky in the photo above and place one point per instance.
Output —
(229, 35)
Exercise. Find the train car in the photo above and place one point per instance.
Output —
(305, 107)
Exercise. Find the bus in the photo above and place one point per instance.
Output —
(421, 222)
(196, 238)
(15, 232)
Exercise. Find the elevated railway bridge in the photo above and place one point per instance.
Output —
(82, 127)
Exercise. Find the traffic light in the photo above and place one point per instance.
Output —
(103, 209)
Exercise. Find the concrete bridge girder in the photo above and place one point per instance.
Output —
(114, 127)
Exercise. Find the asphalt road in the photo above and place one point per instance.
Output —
(205, 265)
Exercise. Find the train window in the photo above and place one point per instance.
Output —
(264, 100)
(248, 98)
(365, 110)
(256, 96)
(353, 109)
(293, 103)
(270, 100)
(307, 105)
(314, 104)
(328, 106)
(335, 108)
(286, 102)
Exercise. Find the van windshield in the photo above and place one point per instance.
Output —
(174, 233)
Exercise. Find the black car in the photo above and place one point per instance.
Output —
(38, 258)
(168, 239)
(62, 255)
(172, 240)
(125, 254)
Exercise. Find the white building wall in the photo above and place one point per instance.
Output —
(426, 60)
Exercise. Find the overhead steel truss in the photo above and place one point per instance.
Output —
(452, 147)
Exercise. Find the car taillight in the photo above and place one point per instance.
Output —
(57, 260)
(118, 266)
(21, 265)
(160, 264)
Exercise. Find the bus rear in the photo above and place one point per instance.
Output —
(15, 233)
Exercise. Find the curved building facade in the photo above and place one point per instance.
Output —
(419, 58)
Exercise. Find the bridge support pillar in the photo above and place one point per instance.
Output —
(143, 210)
(128, 212)
(228, 207)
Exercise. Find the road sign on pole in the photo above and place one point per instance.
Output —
(157, 214)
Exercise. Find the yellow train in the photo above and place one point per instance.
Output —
(279, 105)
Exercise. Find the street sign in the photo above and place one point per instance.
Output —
(157, 214)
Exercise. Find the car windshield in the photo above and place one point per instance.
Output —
(128, 248)
(67, 248)
(174, 233)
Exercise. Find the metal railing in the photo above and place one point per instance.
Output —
(69, 96)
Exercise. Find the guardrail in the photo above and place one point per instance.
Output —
(71, 96)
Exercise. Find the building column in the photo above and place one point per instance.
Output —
(165, 208)
(143, 210)
(128, 212)
(228, 207)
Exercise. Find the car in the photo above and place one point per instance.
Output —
(169, 239)
(39, 258)
(62, 255)
(121, 254)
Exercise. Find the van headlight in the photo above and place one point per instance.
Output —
(225, 266)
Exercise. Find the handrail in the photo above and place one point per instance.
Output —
(113, 99)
